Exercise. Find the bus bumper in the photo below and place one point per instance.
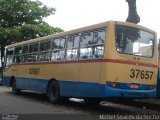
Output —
(124, 93)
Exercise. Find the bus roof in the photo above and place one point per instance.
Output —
(95, 26)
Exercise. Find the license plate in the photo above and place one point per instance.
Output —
(134, 85)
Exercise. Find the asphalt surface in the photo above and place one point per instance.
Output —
(31, 104)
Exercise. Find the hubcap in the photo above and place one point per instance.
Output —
(53, 93)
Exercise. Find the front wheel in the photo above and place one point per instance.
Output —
(54, 92)
(15, 90)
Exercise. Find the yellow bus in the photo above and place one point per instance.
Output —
(107, 60)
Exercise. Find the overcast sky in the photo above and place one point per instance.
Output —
(72, 14)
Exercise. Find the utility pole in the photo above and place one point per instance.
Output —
(133, 17)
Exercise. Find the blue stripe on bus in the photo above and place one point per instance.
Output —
(83, 89)
(6, 81)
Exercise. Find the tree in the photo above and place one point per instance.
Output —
(22, 20)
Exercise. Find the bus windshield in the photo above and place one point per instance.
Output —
(134, 41)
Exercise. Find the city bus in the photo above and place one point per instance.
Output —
(112, 59)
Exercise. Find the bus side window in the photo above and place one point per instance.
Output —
(17, 57)
(42, 50)
(24, 53)
(35, 52)
(94, 47)
(98, 44)
(85, 45)
(29, 55)
(32, 54)
(48, 50)
(72, 47)
(45, 48)
(58, 49)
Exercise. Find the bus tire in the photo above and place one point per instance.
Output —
(92, 101)
(54, 92)
(15, 90)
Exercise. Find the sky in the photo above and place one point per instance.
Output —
(72, 14)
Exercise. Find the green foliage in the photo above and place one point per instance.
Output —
(19, 12)
(22, 20)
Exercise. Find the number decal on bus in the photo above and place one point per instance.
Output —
(34, 71)
(135, 73)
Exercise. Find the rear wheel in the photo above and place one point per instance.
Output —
(54, 92)
(92, 100)
(15, 90)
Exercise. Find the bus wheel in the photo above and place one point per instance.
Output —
(54, 92)
(15, 90)
(92, 100)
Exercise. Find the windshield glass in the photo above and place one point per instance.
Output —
(134, 41)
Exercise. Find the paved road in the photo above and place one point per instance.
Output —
(28, 103)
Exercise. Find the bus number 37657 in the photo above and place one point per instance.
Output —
(136, 73)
